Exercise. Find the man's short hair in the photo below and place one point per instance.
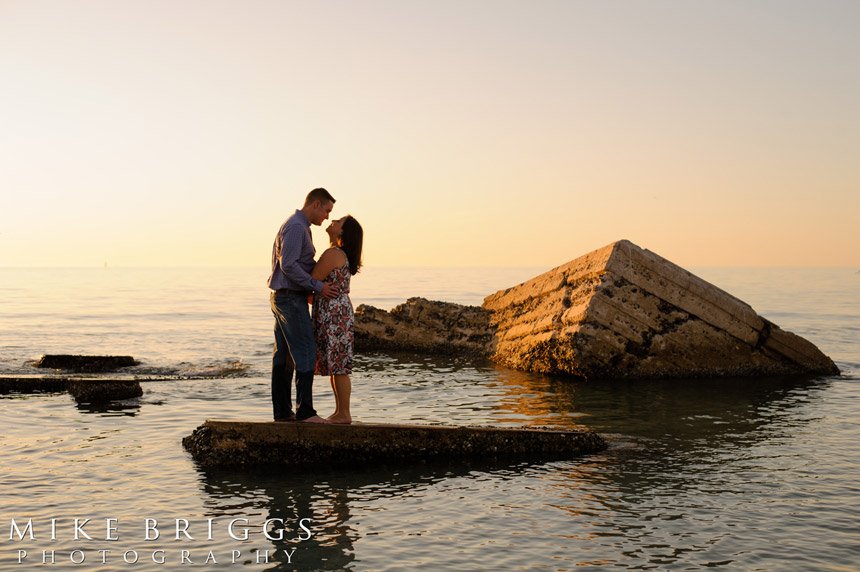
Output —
(319, 194)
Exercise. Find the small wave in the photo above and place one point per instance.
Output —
(217, 369)
(848, 370)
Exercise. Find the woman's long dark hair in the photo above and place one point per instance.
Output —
(351, 238)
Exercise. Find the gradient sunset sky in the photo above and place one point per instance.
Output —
(463, 133)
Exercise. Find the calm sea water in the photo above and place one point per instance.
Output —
(733, 474)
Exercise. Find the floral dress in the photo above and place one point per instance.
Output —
(334, 326)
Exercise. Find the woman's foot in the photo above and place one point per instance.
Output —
(314, 419)
(339, 419)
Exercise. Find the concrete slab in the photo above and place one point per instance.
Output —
(85, 364)
(644, 317)
(25, 384)
(235, 442)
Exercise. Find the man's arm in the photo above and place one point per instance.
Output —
(292, 242)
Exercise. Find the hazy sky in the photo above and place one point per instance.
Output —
(459, 133)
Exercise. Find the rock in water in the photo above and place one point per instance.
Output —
(303, 445)
(620, 312)
(31, 385)
(625, 312)
(103, 390)
(85, 364)
(425, 326)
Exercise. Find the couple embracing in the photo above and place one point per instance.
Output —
(321, 343)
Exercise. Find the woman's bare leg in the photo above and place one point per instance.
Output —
(336, 399)
(342, 391)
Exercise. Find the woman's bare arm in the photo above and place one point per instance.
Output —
(330, 259)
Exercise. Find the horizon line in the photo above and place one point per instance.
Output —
(409, 266)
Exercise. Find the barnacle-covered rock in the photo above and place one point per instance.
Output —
(425, 326)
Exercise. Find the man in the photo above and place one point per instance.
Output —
(291, 282)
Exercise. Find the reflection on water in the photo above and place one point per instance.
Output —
(653, 408)
(128, 408)
(332, 500)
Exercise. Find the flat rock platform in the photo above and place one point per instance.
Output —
(229, 443)
(32, 384)
(85, 364)
(84, 390)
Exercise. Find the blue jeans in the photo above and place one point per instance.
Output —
(294, 348)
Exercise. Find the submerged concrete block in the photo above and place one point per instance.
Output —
(85, 364)
(103, 390)
(32, 385)
(222, 443)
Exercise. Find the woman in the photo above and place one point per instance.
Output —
(333, 317)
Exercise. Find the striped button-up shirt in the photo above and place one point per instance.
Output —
(293, 256)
